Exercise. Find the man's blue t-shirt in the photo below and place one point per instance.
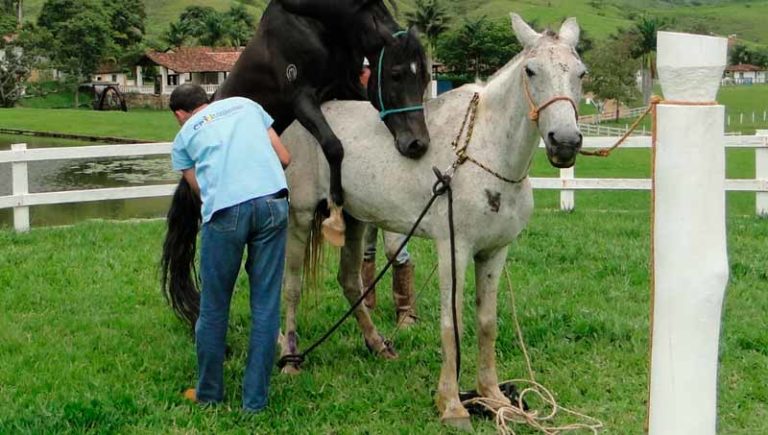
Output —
(228, 145)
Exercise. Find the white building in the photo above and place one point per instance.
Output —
(206, 66)
(745, 74)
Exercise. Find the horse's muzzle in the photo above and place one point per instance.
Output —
(412, 147)
(562, 149)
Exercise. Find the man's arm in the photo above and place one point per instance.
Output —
(189, 175)
(282, 152)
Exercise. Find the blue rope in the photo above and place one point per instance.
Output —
(384, 112)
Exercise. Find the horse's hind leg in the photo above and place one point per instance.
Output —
(298, 237)
(488, 269)
(351, 281)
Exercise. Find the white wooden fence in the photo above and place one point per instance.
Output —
(21, 199)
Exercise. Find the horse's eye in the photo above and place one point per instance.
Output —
(529, 72)
(397, 75)
(583, 74)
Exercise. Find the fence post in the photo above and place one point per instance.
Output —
(761, 173)
(690, 260)
(20, 181)
(567, 196)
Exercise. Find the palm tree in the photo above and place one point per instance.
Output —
(646, 29)
(431, 18)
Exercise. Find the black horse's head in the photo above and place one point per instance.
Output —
(399, 75)
(399, 78)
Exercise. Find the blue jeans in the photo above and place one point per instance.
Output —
(392, 241)
(259, 225)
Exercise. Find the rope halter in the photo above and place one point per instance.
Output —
(383, 111)
(533, 115)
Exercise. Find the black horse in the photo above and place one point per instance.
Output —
(307, 52)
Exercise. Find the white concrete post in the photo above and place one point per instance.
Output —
(20, 182)
(567, 196)
(690, 258)
(139, 77)
(761, 173)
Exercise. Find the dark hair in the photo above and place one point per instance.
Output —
(188, 97)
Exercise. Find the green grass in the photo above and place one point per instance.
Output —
(138, 124)
(737, 100)
(88, 344)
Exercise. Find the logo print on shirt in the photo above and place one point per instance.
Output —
(207, 119)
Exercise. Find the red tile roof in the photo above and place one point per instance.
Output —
(743, 67)
(197, 59)
(10, 37)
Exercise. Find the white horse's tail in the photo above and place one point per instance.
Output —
(313, 251)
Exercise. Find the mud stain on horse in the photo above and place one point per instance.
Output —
(494, 200)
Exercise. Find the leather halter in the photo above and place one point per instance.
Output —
(533, 115)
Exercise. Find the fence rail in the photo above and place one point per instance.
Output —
(21, 199)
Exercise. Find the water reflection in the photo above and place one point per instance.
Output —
(87, 174)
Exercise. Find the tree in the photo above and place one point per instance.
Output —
(645, 29)
(206, 26)
(15, 67)
(75, 36)
(177, 34)
(612, 70)
(743, 54)
(242, 27)
(431, 18)
(126, 19)
(479, 47)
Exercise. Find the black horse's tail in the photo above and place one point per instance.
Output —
(178, 262)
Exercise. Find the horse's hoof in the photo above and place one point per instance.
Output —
(463, 424)
(333, 227)
(385, 350)
(291, 369)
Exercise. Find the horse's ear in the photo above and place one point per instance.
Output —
(525, 34)
(569, 32)
(414, 33)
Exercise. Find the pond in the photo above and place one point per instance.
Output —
(87, 174)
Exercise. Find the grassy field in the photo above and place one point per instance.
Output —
(137, 124)
(88, 344)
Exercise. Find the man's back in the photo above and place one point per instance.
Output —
(228, 144)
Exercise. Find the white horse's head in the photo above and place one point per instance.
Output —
(552, 74)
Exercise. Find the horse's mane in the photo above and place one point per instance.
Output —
(511, 64)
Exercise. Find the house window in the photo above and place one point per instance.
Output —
(114, 77)
(209, 78)
(98, 78)
(173, 80)
(189, 77)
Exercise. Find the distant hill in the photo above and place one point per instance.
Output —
(599, 18)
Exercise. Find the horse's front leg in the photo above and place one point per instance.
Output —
(488, 269)
(452, 412)
(349, 278)
(308, 112)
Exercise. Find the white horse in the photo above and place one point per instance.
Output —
(533, 96)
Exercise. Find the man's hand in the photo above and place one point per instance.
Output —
(189, 175)
(282, 152)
